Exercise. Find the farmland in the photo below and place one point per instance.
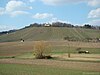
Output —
(47, 67)
(24, 63)
(17, 58)
(16, 48)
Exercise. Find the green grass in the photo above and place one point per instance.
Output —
(3, 57)
(92, 50)
(98, 61)
(26, 55)
(19, 69)
(59, 50)
(18, 53)
(64, 49)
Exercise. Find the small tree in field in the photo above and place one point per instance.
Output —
(69, 54)
(40, 49)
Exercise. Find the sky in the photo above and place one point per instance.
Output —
(16, 14)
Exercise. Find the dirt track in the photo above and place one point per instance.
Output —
(85, 66)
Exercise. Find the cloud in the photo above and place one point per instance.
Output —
(95, 22)
(42, 15)
(6, 27)
(59, 2)
(58, 20)
(94, 13)
(16, 13)
(2, 11)
(30, 7)
(15, 5)
(94, 2)
(62, 2)
(31, 1)
(15, 8)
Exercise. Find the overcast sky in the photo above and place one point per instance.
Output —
(19, 13)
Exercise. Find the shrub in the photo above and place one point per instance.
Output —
(41, 49)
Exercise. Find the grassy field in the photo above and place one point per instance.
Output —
(47, 67)
(26, 49)
(50, 33)
(17, 58)
(18, 48)
(19, 69)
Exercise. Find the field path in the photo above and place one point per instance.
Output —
(85, 66)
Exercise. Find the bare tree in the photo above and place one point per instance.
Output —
(41, 49)
(69, 54)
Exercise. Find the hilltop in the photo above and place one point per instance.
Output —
(51, 33)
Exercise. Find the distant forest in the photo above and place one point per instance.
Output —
(60, 24)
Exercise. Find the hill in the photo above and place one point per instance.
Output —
(51, 33)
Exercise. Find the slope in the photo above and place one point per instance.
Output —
(50, 33)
